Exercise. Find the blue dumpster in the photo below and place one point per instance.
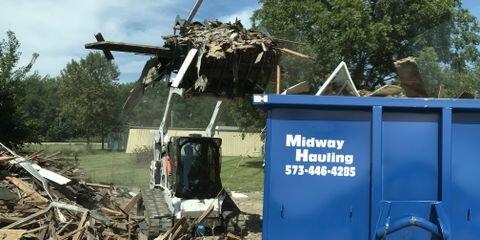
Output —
(353, 168)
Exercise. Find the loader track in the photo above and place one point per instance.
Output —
(158, 217)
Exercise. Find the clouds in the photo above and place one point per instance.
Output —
(58, 30)
(243, 15)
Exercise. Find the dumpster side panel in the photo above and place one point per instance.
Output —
(410, 170)
(318, 174)
(410, 156)
(466, 176)
(416, 165)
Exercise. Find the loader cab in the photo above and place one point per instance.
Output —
(196, 167)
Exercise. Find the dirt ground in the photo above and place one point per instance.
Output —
(253, 207)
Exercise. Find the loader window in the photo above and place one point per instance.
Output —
(199, 170)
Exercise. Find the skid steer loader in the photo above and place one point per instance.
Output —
(185, 182)
(185, 171)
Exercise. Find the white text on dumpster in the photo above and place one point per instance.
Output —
(308, 161)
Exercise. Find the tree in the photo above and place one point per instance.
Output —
(14, 130)
(87, 91)
(455, 81)
(38, 100)
(370, 35)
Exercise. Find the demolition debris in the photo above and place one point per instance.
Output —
(230, 61)
(206, 59)
(38, 203)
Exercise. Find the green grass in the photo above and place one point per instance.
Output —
(67, 149)
(118, 168)
(242, 174)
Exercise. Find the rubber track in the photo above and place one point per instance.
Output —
(157, 215)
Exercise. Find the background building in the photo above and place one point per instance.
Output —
(234, 141)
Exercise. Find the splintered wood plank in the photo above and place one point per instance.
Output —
(174, 231)
(99, 185)
(410, 77)
(80, 226)
(11, 234)
(133, 201)
(6, 158)
(231, 236)
(53, 232)
(76, 231)
(34, 195)
(27, 219)
(129, 47)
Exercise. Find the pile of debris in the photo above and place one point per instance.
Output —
(229, 61)
(205, 59)
(340, 83)
(38, 203)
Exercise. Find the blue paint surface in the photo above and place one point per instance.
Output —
(416, 168)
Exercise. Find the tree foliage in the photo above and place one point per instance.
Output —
(87, 93)
(14, 129)
(370, 35)
(455, 82)
(39, 104)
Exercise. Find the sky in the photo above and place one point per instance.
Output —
(58, 29)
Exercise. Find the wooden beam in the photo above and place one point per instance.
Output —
(111, 211)
(133, 201)
(6, 158)
(29, 218)
(106, 52)
(80, 227)
(34, 195)
(295, 53)
(65, 226)
(231, 236)
(410, 77)
(170, 233)
(129, 47)
(72, 233)
(98, 185)
(12, 234)
(441, 91)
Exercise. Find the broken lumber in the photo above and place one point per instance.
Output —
(33, 214)
(171, 232)
(133, 201)
(231, 236)
(12, 234)
(410, 77)
(27, 219)
(295, 53)
(97, 185)
(34, 195)
(80, 226)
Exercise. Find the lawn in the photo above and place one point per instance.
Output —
(242, 174)
(116, 168)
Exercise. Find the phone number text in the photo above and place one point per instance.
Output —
(337, 171)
